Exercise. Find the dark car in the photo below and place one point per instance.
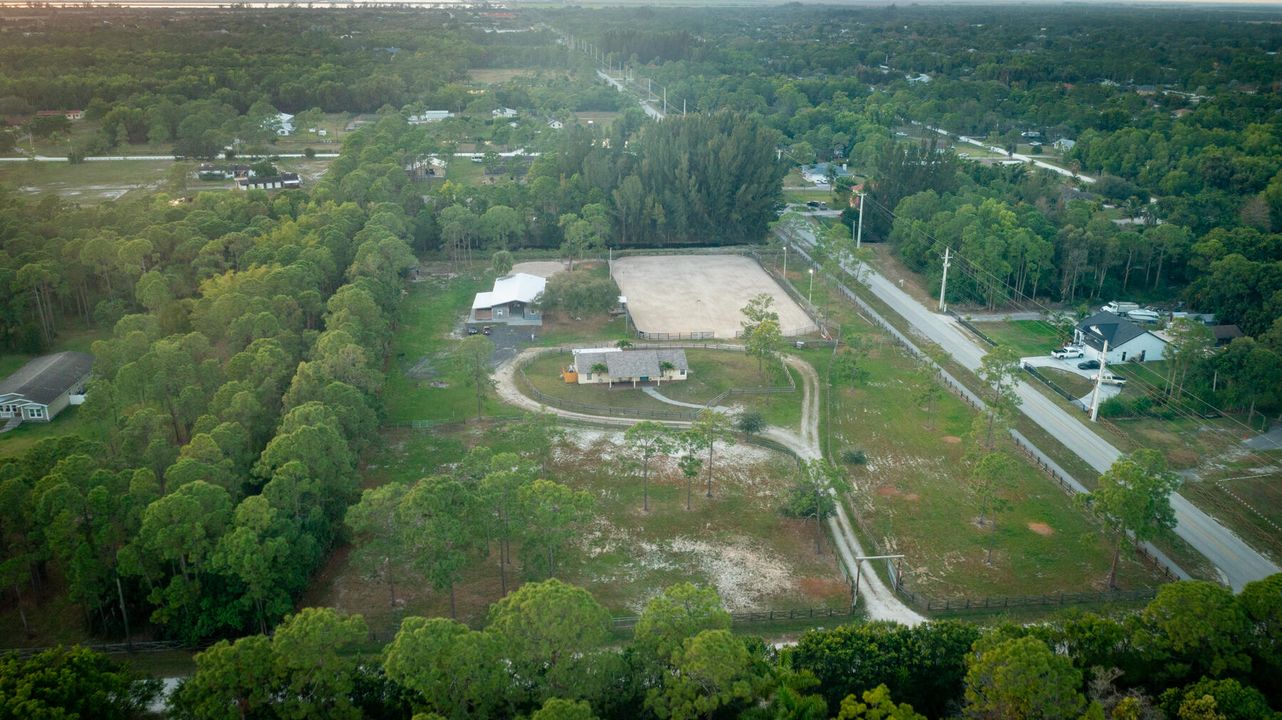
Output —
(471, 330)
(1088, 365)
(487, 330)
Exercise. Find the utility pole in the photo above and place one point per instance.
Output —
(683, 107)
(785, 261)
(943, 284)
(859, 234)
(1099, 379)
(665, 100)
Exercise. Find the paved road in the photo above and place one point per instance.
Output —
(649, 109)
(1237, 562)
(1014, 156)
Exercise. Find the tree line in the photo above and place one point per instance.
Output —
(549, 651)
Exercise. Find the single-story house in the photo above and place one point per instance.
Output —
(504, 112)
(1225, 334)
(1126, 340)
(819, 172)
(1064, 144)
(512, 301)
(627, 366)
(429, 116)
(39, 390)
(72, 115)
(284, 181)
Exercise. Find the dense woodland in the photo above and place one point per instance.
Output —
(239, 376)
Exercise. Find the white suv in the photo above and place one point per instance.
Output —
(1068, 352)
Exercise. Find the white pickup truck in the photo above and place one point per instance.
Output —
(1067, 352)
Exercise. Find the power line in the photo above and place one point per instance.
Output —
(1015, 296)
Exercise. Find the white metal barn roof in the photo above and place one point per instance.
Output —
(521, 287)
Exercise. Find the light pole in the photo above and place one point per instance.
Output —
(811, 293)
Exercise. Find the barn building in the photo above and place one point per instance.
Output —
(512, 301)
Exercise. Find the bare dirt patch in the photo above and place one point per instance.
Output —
(542, 268)
(1041, 529)
(888, 491)
(691, 294)
(951, 439)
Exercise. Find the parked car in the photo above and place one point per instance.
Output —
(1088, 365)
(487, 330)
(1067, 352)
(1109, 379)
(472, 330)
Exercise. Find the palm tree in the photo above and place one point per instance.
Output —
(603, 369)
(665, 367)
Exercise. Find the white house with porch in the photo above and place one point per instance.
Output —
(612, 365)
(1126, 340)
(42, 388)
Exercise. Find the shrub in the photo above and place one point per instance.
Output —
(853, 456)
(750, 423)
(579, 292)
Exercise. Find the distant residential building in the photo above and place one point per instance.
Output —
(42, 388)
(1225, 334)
(284, 181)
(921, 79)
(429, 116)
(503, 112)
(72, 115)
(819, 172)
(1064, 144)
(1126, 340)
(555, 124)
(281, 123)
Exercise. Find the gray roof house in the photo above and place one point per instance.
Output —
(40, 389)
(634, 366)
(1126, 340)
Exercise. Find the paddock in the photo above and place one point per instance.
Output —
(700, 296)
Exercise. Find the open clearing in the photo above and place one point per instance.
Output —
(542, 268)
(684, 295)
(736, 542)
(91, 182)
(487, 76)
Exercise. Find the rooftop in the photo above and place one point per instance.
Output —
(631, 363)
(48, 376)
(1103, 326)
(519, 287)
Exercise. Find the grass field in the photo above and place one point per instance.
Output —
(1181, 552)
(489, 76)
(90, 182)
(914, 498)
(602, 119)
(1030, 337)
(422, 383)
(711, 373)
(736, 541)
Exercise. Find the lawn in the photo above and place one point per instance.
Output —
(90, 182)
(913, 494)
(422, 383)
(1030, 337)
(736, 541)
(711, 373)
(1252, 506)
(68, 421)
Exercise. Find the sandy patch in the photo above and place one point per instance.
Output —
(700, 294)
(888, 491)
(912, 497)
(1041, 528)
(951, 439)
(542, 268)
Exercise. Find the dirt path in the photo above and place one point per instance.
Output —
(880, 602)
